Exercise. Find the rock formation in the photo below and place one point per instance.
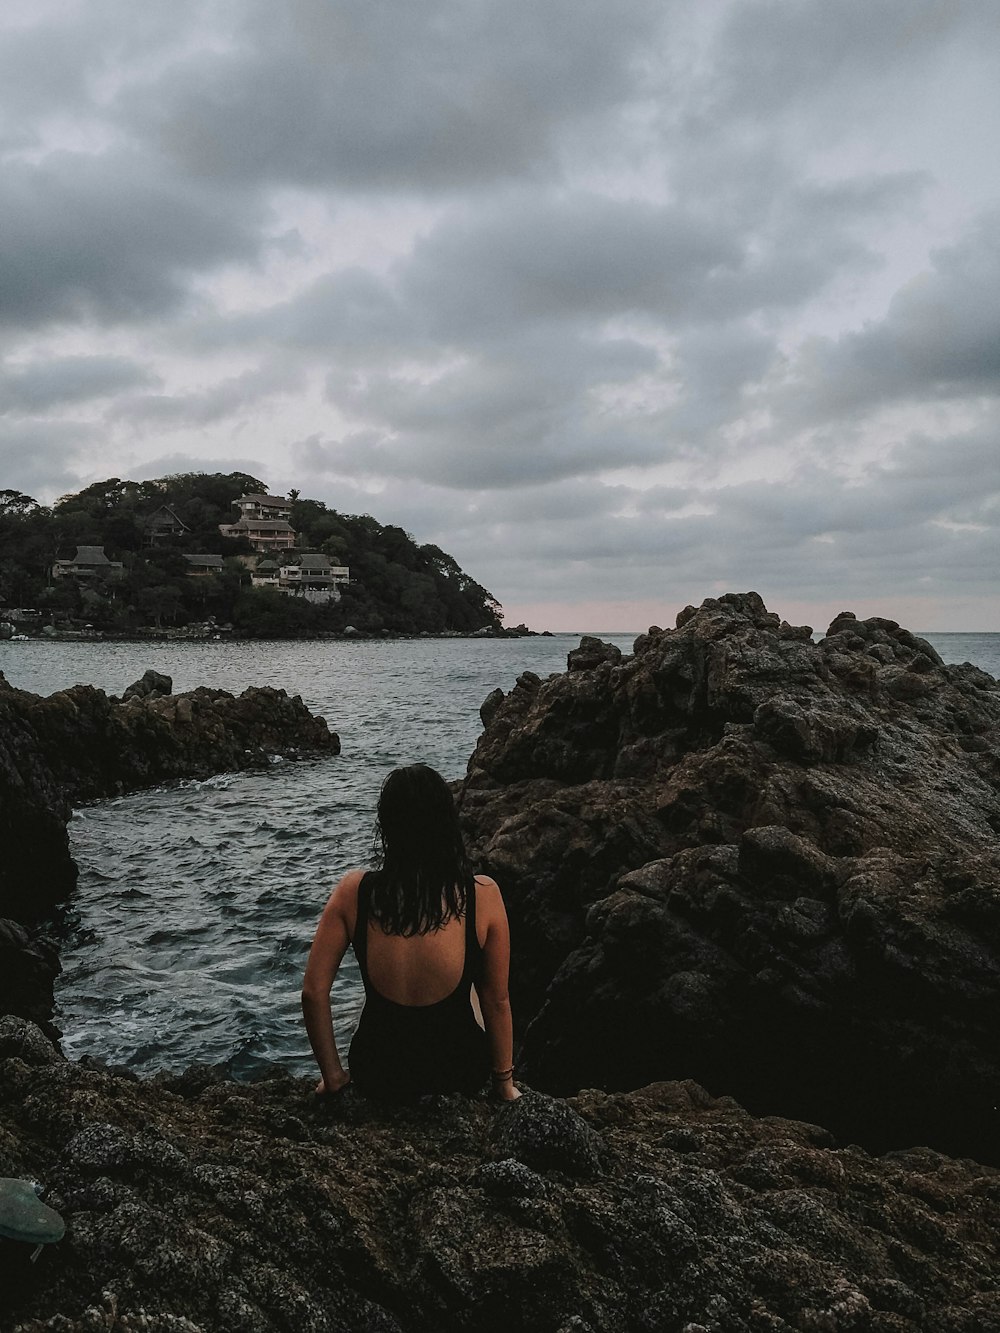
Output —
(79, 745)
(199, 1206)
(764, 863)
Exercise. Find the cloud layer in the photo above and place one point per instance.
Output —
(620, 306)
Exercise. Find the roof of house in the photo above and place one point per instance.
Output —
(208, 561)
(278, 500)
(265, 566)
(312, 560)
(89, 555)
(160, 517)
(261, 525)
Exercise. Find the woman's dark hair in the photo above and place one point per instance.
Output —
(423, 875)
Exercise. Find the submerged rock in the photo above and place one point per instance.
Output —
(225, 1207)
(762, 862)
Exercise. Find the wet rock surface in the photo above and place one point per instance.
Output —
(197, 1204)
(761, 862)
(81, 744)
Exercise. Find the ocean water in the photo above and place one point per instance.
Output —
(188, 935)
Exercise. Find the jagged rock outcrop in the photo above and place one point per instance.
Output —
(149, 684)
(81, 744)
(761, 862)
(199, 1205)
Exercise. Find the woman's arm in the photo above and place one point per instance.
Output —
(328, 948)
(493, 992)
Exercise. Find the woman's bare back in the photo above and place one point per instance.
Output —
(417, 969)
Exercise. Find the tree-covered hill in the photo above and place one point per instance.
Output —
(396, 586)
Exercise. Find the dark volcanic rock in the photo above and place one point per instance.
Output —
(150, 684)
(211, 1206)
(79, 745)
(762, 862)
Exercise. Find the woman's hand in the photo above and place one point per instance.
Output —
(336, 1084)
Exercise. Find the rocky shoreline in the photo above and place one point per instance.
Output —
(196, 1204)
(736, 856)
(206, 633)
(81, 745)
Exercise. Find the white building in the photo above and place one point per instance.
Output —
(314, 578)
(264, 506)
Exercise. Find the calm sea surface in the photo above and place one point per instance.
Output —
(188, 935)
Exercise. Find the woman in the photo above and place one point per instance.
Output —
(431, 939)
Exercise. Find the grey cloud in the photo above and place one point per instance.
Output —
(43, 385)
(109, 237)
(519, 414)
(768, 55)
(716, 368)
(352, 313)
(815, 531)
(572, 500)
(523, 261)
(940, 337)
(801, 537)
(578, 256)
(394, 95)
(46, 458)
(54, 62)
(229, 397)
(564, 257)
(517, 261)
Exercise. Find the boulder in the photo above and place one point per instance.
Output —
(150, 684)
(761, 862)
(592, 652)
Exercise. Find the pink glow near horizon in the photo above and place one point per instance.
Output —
(928, 614)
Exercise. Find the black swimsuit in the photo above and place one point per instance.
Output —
(403, 1051)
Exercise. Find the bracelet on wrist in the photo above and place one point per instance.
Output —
(502, 1075)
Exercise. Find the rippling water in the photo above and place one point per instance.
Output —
(188, 935)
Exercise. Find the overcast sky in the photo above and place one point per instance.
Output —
(623, 304)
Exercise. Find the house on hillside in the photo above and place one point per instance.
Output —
(263, 521)
(314, 578)
(275, 534)
(89, 564)
(202, 565)
(265, 574)
(264, 506)
(162, 523)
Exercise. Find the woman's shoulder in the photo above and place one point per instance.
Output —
(488, 896)
(346, 889)
(352, 878)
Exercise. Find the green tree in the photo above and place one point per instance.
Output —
(160, 600)
(16, 504)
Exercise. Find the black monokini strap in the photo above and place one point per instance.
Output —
(360, 940)
(470, 970)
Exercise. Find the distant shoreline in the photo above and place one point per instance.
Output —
(70, 636)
